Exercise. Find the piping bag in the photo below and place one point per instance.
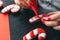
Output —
(33, 6)
(4, 27)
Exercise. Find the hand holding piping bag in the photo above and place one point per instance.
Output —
(54, 20)
(51, 19)
(22, 3)
(28, 4)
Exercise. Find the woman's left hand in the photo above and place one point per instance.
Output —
(54, 20)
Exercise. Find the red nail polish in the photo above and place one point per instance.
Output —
(49, 18)
(43, 21)
(46, 18)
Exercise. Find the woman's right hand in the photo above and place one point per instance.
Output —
(22, 3)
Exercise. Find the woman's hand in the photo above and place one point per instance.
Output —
(22, 3)
(54, 21)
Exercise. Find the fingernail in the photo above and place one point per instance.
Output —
(46, 18)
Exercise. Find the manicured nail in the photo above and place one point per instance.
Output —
(46, 18)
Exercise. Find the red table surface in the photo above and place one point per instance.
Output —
(4, 27)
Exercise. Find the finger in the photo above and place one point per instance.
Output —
(16, 8)
(17, 2)
(50, 23)
(56, 27)
(1, 3)
(21, 3)
(54, 15)
(24, 4)
(7, 9)
(51, 13)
